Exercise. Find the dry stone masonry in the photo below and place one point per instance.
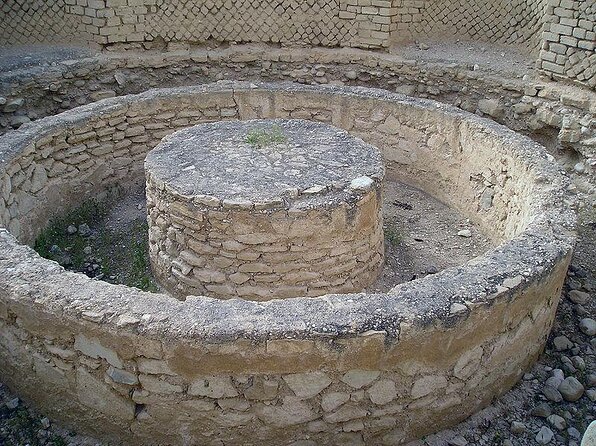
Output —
(294, 211)
(368, 368)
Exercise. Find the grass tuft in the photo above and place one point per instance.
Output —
(393, 235)
(262, 138)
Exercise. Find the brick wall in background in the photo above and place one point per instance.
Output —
(569, 40)
(42, 21)
(348, 23)
(561, 31)
(513, 22)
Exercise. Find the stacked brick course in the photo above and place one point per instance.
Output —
(351, 23)
(569, 41)
(516, 22)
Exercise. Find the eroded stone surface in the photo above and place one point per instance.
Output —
(272, 163)
(253, 343)
(264, 209)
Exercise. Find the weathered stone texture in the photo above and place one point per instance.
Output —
(144, 368)
(291, 219)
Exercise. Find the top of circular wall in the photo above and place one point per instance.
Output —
(268, 162)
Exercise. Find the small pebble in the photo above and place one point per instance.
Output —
(588, 326)
(574, 433)
(544, 435)
(84, 230)
(552, 394)
(352, 75)
(457, 441)
(554, 381)
(13, 403)
(562, 343)
(465, 233)
(578, 362)
(518, 428)
(543, 410)
(578, 297)
(557, 422)
(571, 389)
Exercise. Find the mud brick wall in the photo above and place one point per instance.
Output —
(513, 22)
(48, 21)
(354, 23)
(569, 41)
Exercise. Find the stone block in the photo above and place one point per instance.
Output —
(93, 348)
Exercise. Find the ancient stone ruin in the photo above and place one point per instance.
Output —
(268, 173)
(297, 215)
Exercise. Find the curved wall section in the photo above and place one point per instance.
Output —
(143, 368)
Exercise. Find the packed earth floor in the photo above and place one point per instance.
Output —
(108, 241)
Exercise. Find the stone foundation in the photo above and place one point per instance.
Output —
(260, 220)
(141, 368)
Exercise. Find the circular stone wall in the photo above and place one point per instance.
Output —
(142, 368)
(264, 209)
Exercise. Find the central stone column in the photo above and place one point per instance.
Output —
(264, 209)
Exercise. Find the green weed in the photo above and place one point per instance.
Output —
(262, 137)
(393, 235)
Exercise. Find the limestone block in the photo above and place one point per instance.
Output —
(291, 412)
(97, 396)
(262, 389)
(331, 401)
(360, 378)
(122, 376)
(345, 413)
(158, 385)
(213, 387)
(307, 385)
(427, 385)
(94, 349)
(382, 392)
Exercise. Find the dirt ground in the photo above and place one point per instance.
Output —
(421, 236)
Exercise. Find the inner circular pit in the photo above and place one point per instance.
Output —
(264, 209)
